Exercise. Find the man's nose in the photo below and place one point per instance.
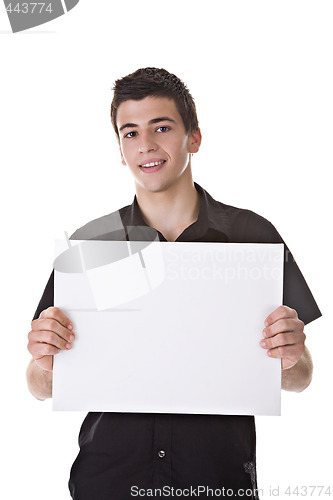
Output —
(147, 143)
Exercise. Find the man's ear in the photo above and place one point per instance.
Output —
(122, 157)
(195, 141)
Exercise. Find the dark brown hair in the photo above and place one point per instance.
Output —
(155, 82)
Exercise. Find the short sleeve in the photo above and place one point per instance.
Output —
(296, 293)
(249, 227)
(47, 299)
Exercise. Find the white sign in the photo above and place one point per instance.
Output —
(168, 327)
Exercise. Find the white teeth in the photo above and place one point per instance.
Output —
(153, 164)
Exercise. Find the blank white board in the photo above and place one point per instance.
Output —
(181, 336)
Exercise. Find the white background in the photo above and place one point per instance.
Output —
(261, 74)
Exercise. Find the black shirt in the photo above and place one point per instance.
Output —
(124, 455)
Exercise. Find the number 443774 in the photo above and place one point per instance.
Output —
(308, 491)
(29, 8)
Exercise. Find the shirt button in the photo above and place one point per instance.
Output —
(161, 453)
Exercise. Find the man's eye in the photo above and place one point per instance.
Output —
(131, 134)
(163, 129)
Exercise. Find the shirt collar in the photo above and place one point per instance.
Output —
(211, 215)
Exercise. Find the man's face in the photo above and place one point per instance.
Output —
(154, 143)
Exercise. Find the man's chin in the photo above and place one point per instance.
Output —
(151, 187)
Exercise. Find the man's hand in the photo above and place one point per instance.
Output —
(49, 334)
(284, 336)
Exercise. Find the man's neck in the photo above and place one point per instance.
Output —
(170, 211)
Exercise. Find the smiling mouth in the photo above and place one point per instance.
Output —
(152, 164)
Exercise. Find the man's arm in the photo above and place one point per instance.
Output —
(298, 377)
(49, 334)
(39, 381)
(284, 338)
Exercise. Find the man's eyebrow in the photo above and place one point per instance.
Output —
(151, 122)
(127, 125)
(161, 119)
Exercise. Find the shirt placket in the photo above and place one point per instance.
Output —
(162, 463)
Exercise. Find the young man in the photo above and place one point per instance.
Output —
(155, 121)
